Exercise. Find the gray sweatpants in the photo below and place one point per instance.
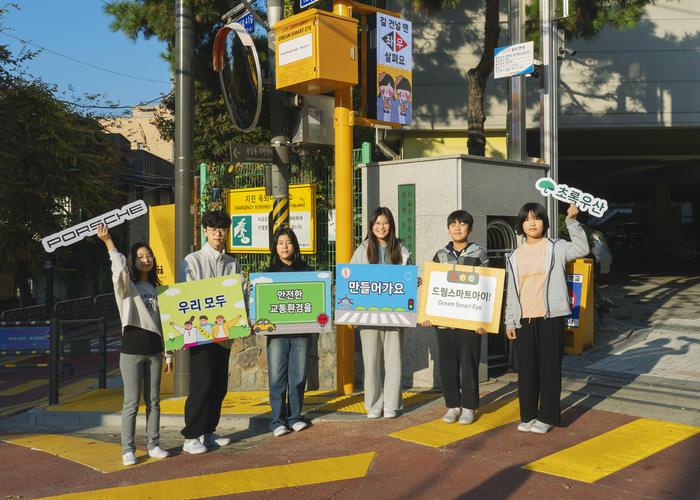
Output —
(390, 341)
(140, 371)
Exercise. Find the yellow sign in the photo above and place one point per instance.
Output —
(161, 223)
(250, 213)
(316, 52)
(463, 297)
(579, 324)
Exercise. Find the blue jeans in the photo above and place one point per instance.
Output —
(287, 366)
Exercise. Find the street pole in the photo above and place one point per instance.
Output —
(516, 143)
(184, 161)
(548, 105)
(278, 133)
(344, 121)
(48, 266)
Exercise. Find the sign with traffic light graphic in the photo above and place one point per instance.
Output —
(462, 297)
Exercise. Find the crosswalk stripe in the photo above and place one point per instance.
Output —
(103, 457)
(610, 452)
(27, 386)
(383, 318)
(437, 433)
(242, 481)
(405, 321)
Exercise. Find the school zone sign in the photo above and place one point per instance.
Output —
(89, 228)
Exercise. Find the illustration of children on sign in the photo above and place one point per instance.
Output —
(221, 329)
(386, 102)
(403, 93)
(188, 333)
(205, 328)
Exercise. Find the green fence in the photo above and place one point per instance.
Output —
(252, 175)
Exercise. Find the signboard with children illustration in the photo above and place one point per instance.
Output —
(389, 69)
(201, 312)
(462, 297)
(372, 295)
(287, 303)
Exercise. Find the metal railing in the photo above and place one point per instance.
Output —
(56, 359)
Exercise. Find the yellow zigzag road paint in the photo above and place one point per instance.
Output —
(63, 391)
(235, 403)
(438, 433)
(610, 452)
(103, 457)
(23, 387)
(229, 483)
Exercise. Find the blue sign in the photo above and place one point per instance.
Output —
(248, 22)
(376, 295)
(24, 338)
(306, 3)
(574, 283)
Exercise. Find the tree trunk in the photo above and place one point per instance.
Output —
(476, 142)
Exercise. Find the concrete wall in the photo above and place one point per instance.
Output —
(482, 186)
(646, 76)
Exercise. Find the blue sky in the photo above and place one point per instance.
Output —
(79, 30)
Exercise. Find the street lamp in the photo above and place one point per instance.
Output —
(48, 266)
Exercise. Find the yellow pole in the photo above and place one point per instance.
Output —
(344, 120)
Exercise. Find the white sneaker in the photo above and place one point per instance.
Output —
(526, 426)
(214, 439)
(374, 414)
(129, 458)
(300, 426)
(158, 452)
(467, 416)
(540, 427)
(389, 413)
(193, 447)
(452, 415)
(281, 431)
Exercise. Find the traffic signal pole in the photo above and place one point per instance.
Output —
(344, 121)
(278, 133)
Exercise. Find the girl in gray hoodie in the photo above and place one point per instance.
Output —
(537, 301)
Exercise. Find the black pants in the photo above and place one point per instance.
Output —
(539, 345)
(208, 387)
(459, 349)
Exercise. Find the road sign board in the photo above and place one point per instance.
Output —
(306, 3)
(251, 153)
(514, 60)
(248, 22)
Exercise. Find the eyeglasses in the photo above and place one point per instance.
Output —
(217, 231)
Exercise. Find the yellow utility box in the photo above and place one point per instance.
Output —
(579, 325)
(316, 52)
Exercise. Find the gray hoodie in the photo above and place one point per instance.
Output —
(360, 255)
(556, 294)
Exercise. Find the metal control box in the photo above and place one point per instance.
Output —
(312, 123)
(316, 52)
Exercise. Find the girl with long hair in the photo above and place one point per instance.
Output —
(141, 357)
(287, 355)
(381, 246)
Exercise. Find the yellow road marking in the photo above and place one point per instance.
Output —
(610, 452)
(243, 481)
(103, 457)
(65, 391)
(235, 403)
(28, 386)
(438, 433)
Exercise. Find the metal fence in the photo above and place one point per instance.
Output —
(252, 175)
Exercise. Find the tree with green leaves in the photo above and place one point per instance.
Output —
(42, 135)
(587, 20)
